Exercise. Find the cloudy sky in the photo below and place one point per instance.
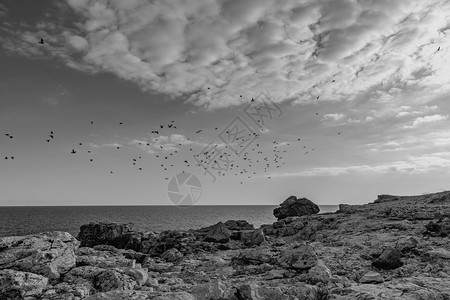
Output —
(364, 85)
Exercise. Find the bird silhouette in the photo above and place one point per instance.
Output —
(41, 42)
(439, 48)
(73, 151)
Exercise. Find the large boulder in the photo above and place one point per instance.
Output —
(293, 206)
(20, 285)
(120, 236)
(218, 234)
(49, 254)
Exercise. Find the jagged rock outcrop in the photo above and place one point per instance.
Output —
(121, 236)
(49, 254)
(293, 207)
(218, 234)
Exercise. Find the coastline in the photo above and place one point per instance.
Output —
(394, 248)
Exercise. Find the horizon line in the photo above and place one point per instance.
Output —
(153, 205)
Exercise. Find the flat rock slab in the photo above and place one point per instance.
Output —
(371, 277)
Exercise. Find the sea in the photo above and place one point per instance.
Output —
(23, 220)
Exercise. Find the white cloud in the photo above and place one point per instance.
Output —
(428, 119)
(171, 142)
(334, 117)
(413, 165)
(110, 145)
(292, 49)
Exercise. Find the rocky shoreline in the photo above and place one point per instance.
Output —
(394, 248)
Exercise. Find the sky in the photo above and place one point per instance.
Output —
(353, 100)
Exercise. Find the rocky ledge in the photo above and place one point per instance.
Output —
(394, 248)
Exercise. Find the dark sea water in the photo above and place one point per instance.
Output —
(28, 220)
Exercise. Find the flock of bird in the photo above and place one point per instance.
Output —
(238, 158)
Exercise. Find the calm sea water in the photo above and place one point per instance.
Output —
(28, 220)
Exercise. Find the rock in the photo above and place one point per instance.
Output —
(102, 259)
(118, 235)
(440, 227)
(83, 275)
(386, 198)
(371, 277)
(64, 290)
(346, 209)
(19, 285)
(172, 255)
(254, 256)
(218, 234)
(211, 290)
(114, 279)
(49, 254)
(389, 259)
(238, 225)
(406, 244)
(257, 238)
(295, 207)
(440, 253)
(300, 257)
(319, 273)
(141, 295)
(275, 274)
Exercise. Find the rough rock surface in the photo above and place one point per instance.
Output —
(395, 248)
(293, 206)
(17, 284)
(118, 235)
(219, 233)
(49, 254)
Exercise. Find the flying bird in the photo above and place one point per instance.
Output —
(41, 41)
(73, 151)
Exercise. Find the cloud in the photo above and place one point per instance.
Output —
(413, 165)
(3, 10)
(110, 145)
(56, 97)
(292, 49)
(428, 119)
(164, 143)
(333, 117)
